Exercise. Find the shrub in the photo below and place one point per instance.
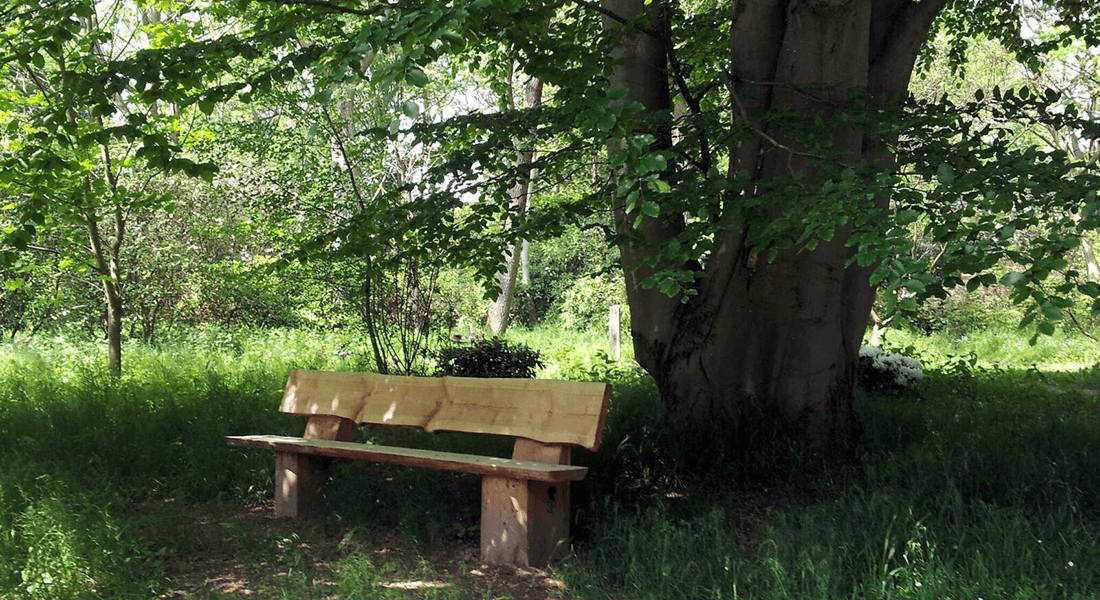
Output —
(886, 372)
(489, 358)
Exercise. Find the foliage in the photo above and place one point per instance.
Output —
(355, 154)
(488, 358)
(960, 311)
(560, 263)
(997, 347)
(887, 372)
(586, 302)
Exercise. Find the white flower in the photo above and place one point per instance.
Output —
(906, 371)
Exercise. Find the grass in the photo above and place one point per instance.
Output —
(1003, 347)
(984, 484)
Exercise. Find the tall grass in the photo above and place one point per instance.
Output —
(983, 484)
(1005, 346)
(79, 447)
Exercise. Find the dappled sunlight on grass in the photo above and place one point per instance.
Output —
(981, 483)
(1006, 348)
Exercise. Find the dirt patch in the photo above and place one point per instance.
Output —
(228, 552)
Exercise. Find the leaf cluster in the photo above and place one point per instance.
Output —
(489, 358)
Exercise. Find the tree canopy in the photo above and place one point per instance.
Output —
(764, 162)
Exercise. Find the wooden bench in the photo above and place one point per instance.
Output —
(524, 500)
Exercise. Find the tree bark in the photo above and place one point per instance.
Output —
(500, 311)
(1092, 268)
(766, 352)
(109, 269)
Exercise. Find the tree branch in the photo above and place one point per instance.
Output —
(368, 12)
(705, 161)
(603, 11)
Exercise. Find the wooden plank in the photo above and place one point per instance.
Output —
(554, 412)
(558, 454)
(412, 457)
(328, 427)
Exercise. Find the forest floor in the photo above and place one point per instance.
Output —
(235, 552)
(217, 562)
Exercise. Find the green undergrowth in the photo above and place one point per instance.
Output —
(1005, 347)
(980, 484)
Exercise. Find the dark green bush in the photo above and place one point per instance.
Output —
(489, 358)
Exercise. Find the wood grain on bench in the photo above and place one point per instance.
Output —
(525, 499)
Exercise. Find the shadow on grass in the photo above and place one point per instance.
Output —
(983, 485)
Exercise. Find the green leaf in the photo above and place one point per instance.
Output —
(945, 174)
(914, 285)
(650, 163)
(1046, 328)
(606, 121)
(411, 109)
(1027, 320)
(1012, 278)
(907, 216)
(651, 209)
(416, 77)
(1050, 310)
(631, 200)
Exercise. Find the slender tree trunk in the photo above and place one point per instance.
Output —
(109, 268)
(766, 352)
(500, 310)
(1092, 268)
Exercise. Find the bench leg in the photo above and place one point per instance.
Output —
(523, 523)
(298, 480)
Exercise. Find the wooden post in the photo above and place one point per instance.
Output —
(299, 477)
(297, 484)
(523, 523)
(613, 333)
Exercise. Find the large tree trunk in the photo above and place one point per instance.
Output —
(766, 352)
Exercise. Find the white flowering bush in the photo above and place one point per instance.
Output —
(887, 372)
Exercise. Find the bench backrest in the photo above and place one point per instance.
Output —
(543, 411)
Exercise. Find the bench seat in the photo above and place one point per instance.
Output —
(414, 457)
